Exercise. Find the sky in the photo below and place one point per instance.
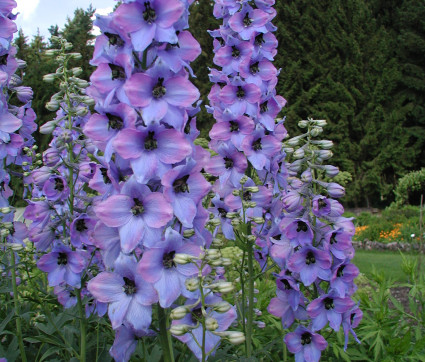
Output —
(41, 14)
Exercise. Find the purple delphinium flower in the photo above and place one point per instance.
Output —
(305, 344)
(152, 150)
(137, 212)
(328, 307)
(310, 262)
(63, 266)
(158, 267)
(129, 297)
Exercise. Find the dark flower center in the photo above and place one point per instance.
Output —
(286, 284)
(340, 271)
(329, 303)
(222, 212)
(240, 92)
(235, 52)
(301, 226)
(277, 237)
(310, 258)
(306, 338)
(254, 68)
(234, 126)
(129, 286)
(168, 260)
(138, 208)
(159, 89)
(59, 186)
(150, 142)
(104, 173)
(333, 240)
(196, 315)
(3, 59)
(114, 122)
(247, 196)
(117, 72)
(220, 40)
(228, 162)
(264, 107)
(149, 14)
(62, 259)
(352, 317)
(247, 21)
(114, 39)
(322, 204)
(259, 39)
(180, 185)
(80, 225)
(256, 145)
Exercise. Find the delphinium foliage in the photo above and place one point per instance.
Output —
(152, 228)
(247, 139)
(16, 126)
(60, 210)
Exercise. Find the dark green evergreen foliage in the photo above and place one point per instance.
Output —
(201, 20)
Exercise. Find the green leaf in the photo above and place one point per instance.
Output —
(5, 321)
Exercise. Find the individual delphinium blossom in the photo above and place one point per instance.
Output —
(149, 172)
(244, 102)
(314, 247)
(305, 344)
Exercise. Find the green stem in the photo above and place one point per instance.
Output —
(204, 328)
(250, 314)
(164, 336)
(16, 303)
(82, 327)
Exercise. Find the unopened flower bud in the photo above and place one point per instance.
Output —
(335, 190)
(235, 222)
(214, 222)
(188, 233)
(293, 141)
(234, 337)
(306, 176)
(212, 254)
(303, 124)
(232, 215)
(51, 52)
(7, 225)
(68, 45)
(331, 171)
(253, 189)
(217, 243)
(81, 111)
(222, 287)
(179, 329)
(288, 150)
(226, 261)
(324, 154)
(16, 246)
(222, 307)
(252, 238)
(236, 192)
(6, 210)
(211, 324)
(88, 100)
(315, 131)
(320, 122)
(49, 78)
(252, 204)
(179, 312)
(258, 220)
(182, 259)
(82, 83)
(76, 56)
(298, 154)
(4, 233)
(77, 71)
(192, 284)
(243, 180)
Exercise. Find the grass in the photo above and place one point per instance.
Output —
(383, 261)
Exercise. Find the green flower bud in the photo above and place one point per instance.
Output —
(211, 324)
(179, 312)
(192, 284)
(243, 180)
(303, 124)
(179, 329)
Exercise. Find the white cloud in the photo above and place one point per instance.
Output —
(26, 8)
(104, 11)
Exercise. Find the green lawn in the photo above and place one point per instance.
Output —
(383, 261)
